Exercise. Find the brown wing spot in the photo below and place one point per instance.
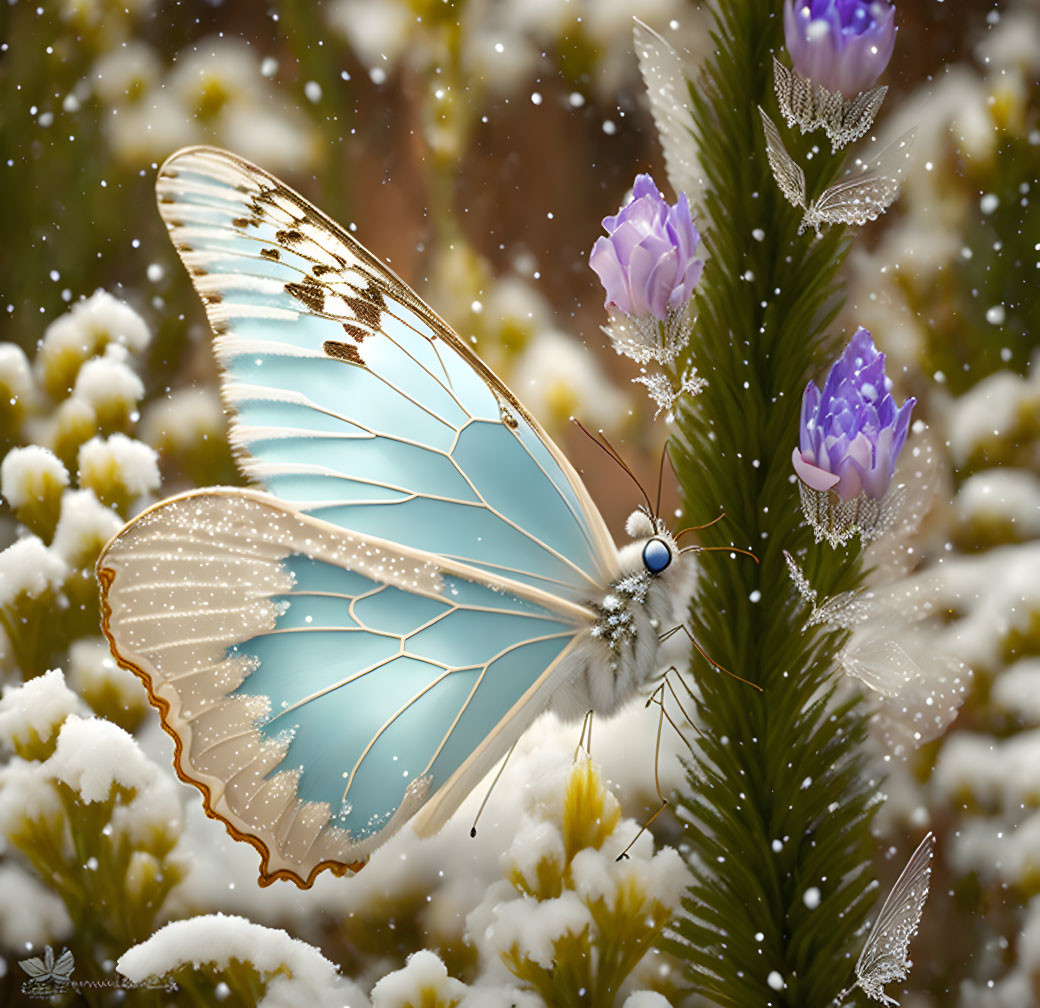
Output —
(319, 270)
(271, 253)
(289, 237)
(343, 351)
(354, 332)
(507, 418)
(310, 294)
(241, 222)
(212, 298)
(364, 311)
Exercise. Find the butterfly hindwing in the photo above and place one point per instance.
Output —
(322, 686)
(353, 401)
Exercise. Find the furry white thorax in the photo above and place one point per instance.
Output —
(619, 653)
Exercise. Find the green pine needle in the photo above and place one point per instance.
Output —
(777, 801)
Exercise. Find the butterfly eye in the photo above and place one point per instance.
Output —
(656, 556)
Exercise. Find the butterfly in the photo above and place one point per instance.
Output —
(422, 574)
(869, 189)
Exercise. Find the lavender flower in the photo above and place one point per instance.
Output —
(842, 45)
(647, 263)
(850, 437)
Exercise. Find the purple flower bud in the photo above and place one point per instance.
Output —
(647, 262)
(843, 45)
(851, 433)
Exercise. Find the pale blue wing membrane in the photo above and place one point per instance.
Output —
(388, 689)
(405, 436)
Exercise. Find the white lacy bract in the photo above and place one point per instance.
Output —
(811, 106)
(668, 92)
(839, 521)
(648, 341)
(916, 685)
(867, 190)
(665, 394)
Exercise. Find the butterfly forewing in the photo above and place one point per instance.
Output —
(322, 686)
(356, 403)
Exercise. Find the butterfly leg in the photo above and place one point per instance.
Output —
(498, 774)
(586, 732)
(658, 697)
(704, 654)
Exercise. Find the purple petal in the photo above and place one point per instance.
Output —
(604, 261)
(844, 45)
(660, 284)
(811, 475)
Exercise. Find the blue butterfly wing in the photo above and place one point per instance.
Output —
(354, 402)
(322, 686)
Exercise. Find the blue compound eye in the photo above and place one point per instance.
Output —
(656, 556)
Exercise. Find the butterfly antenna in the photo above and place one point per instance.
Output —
(720, 549)
(607, 447)
(480, 811)
(698, 528)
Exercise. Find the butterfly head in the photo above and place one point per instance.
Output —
(659, 549)
(655, 556)
(647, 598)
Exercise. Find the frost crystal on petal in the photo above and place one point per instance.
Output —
(29, 567)
(842, 44)
(647, 261)
(850, 436)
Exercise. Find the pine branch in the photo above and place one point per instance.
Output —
(777, 803)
